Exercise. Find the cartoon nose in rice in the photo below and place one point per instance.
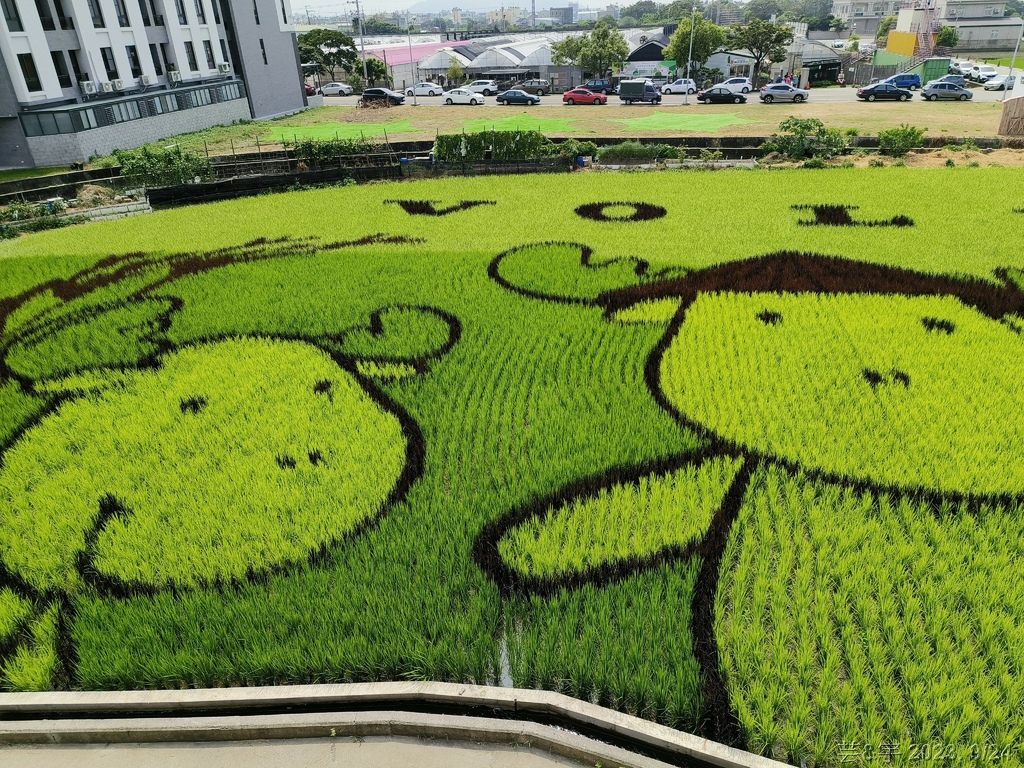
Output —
(872, 377)
(231, 458)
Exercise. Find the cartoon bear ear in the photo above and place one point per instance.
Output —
(565, 273)
(400, 341)
(609, 527)
(122, 335)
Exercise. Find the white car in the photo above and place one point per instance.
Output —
(961, 67)
(463, 96)
(335, 89)
(424, 89)
(982, 73)
(486, 87)
(680, 86)
(737, 85)
(1000, 82)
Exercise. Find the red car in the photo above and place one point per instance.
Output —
(583, 96)
(310, 90)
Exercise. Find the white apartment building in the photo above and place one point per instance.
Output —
(85, 77)
(982, 24)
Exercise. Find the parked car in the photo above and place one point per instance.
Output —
(385, 95)
(599, 85)
(720, 95)
(982, 73)
(936, 91)
(336, 89)
(909, 81)
(631, 91)
(882, 91)
(960, 67)
(953, 79)
(1000, 83)
(310, 90)
(424, 89)
(463, 96)
(682, 85)
(516, 96)
(583, 96)
(737, 85)
(838, 43)
(486, 87)
(782, 92)
(536, 87)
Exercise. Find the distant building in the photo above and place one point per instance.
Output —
(563, 15)
(86, 77)
(982, 24)
(457, 15)
(502, 17)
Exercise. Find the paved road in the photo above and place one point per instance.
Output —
(297, 753)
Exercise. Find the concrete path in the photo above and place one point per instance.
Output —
(291, 753)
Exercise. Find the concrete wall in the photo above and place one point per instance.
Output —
(78, 147)
(13, 149)
(902, 43)
(274, 88)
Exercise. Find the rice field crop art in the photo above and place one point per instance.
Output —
(760, 482)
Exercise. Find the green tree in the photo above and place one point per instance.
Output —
(765, 41)
(761, 9)
(648, 20)
(610, 21)
(329, 49)
(677, 10)
(948, 37)
(707, 38)
(378, 24)
(568, 51)
(376, 70)
(884, 26)
(455, 73)
(628, 21)
(854, 43)
(603, 48)
(638, 9)
(439, 23)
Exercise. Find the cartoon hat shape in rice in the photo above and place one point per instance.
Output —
(155, 467)
(874, 379)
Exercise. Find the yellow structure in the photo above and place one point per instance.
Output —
(903, 43)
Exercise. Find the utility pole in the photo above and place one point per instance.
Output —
(362, 44)
(1013, 60)
(408, 31)
(689, 56)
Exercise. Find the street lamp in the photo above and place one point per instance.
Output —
(408, 31)
(689, 57)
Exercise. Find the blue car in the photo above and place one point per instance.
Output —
(517, 97)
(906, 80)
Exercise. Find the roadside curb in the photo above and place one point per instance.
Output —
(215, 714)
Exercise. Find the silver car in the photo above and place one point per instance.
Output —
(782, 92)
(936, 91)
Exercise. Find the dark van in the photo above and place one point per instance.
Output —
(638, 90)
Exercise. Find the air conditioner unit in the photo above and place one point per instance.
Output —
(175, 76)
(88, 87)
(145, 81)
(224, 68)
(118, 85)
(108, 87)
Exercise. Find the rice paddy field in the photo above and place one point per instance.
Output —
(738, 452)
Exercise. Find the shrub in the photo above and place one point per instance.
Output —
(803, 138)
(950, 163)
(501, 145)
(573, 148)
(896, 142)
(163, 167)
(324, 151)
(636, 152)
(875, 162)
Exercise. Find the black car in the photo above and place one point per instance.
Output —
(600, 85)
(720, 95)
(882, 91)
(517, 97)
(386, 95)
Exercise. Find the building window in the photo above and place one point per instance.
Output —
(66, 22)
(256, 11)
(45, 17)
(216, 11)
(108, 63)
(263, 50)
(168, 62)
(75, 67)
(145, 13)
(154, 54)
(133, 60)
(224, 50)
(11, 15)
(190, 52)
(182, 16)
(122, 13)
(211, 62)
(158, 19)
(200, 12)
(284, 14)
(97, 14)
(28, 69)
(61, 65)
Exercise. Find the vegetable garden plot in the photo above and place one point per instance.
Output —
(764, 486)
